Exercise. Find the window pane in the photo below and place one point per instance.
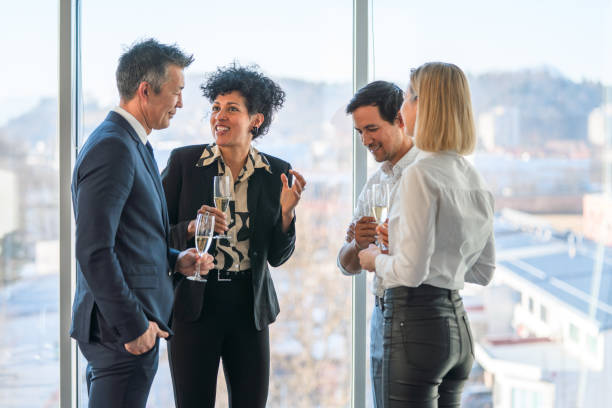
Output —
(29, 228)
(307, 48)
(542, 115)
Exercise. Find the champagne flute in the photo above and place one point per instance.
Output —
(379, 196)
(223, 196)
(205, 226)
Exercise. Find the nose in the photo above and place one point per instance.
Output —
(222, 114)
(179, 103)
(366, 139)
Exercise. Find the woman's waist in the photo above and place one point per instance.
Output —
(424, 299)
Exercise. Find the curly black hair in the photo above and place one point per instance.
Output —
(262, 95)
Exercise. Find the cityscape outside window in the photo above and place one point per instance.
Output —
(540, 90)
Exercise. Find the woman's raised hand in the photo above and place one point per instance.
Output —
(290, 196)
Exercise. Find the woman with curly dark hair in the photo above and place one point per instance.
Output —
(226, 318)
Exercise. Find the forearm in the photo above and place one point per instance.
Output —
(282, 243)
(179, 236)
(348, 258)
(287, 220)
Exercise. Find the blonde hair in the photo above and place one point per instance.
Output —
(444, 116)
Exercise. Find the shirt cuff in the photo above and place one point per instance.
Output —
(383, 264)
(344, 271)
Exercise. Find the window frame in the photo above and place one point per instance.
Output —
(69, 114)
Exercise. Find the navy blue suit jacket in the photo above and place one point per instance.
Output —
(122, 230)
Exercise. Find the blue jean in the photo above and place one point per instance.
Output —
(376, 354)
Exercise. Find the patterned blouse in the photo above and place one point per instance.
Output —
(233, 254)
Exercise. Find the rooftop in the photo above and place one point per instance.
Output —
(560, 264)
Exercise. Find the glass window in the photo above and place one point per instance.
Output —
(29, 227)
(541, 105)
(311, 340)
(574, 333)
(592, 344)
(543, 313)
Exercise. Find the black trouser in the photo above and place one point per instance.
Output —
(115, 378)
(428, 347)
(226, 331)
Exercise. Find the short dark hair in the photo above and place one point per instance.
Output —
(147, 61)
(387, 96)
(261, 94)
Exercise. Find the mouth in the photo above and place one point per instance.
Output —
(220, 130)
(373, 148)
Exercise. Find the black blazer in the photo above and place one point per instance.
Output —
(122, 231)
(188, 187)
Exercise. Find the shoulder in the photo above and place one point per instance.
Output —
(109, 141)
(186, 152)
(277, 165)
(186, 155)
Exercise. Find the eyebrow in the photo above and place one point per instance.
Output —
(229, 103)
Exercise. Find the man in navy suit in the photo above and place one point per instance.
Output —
(124, 292)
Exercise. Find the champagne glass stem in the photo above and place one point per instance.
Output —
(197, 274)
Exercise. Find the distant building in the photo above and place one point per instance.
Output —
(9, 204)
(499, 127)
(558, 355)
(600, 125)
(597, 218)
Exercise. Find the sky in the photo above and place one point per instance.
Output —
(309, 40)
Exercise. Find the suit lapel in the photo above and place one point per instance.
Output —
(204, 185)
(256, 182)
(149, 164)
(152, 169)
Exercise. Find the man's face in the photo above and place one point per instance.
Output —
(381, 138)
(161, 107)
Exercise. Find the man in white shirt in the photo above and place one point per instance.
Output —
(375, 110)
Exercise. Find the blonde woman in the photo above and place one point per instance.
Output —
(440, 235)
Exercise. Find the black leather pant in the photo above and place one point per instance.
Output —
(428, 347)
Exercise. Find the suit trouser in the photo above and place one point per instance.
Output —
(116, 378)
(428, 347)
(376, 353)
(224, 331)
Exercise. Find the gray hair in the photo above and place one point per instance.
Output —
(147, 61)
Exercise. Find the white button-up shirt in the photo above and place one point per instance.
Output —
(136, 125)
(390, 174)
(440, 226)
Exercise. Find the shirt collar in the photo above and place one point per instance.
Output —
(134, 123)
(406, 160)
(212, 152)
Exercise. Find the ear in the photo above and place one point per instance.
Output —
(258, 119)
(144, 90)
(399, 120)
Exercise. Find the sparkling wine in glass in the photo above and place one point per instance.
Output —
(205, 226)
(222, 197)
(379, 196)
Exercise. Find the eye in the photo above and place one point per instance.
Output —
(215, 108)
(233, 109)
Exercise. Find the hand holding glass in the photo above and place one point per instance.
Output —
(205, 226)
(223, 196)
(380, 203)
